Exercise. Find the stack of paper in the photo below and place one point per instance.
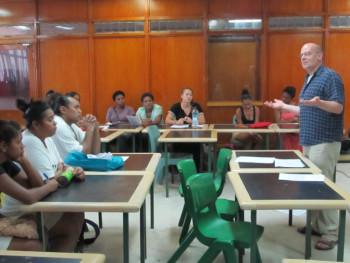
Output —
(177, 126)
(290, 163)
(301, 177)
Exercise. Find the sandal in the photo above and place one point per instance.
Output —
(325, 244)
(302, 230)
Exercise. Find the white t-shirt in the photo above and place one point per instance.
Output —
(43, 158)
(67, 137)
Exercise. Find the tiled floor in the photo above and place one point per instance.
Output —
(279, 240)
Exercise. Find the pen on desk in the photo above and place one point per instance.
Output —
(46, 176)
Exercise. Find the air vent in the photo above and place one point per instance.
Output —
(119, 26)
(220, 39)
(234, 24)
(51, 29)
(16, 30)
(339, 21)
(296, 22)
(176, 25)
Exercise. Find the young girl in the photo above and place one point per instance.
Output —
(39, 148)
(23, 184)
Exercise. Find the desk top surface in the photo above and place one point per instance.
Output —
(266, 191)
(188, 136)
(7, 256)
(270, 167)
(98, 193)
(108, 135)
(229, 128)
(136, 162)
(125, 127)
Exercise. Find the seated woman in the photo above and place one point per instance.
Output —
(119, 112)
(289, 140)
(43, 155)
(69, 136)
(73, 94)
(181, 113)
(150, 113)
(245, 115)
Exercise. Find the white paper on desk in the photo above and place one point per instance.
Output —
(104, 127)
(289, 163)
(125, 158)
(253, 159)
(198, 126)
(177, 126)
(301, 177)
(106, 156)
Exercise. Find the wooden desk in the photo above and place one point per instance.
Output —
(265, 192)
(103, 193)
(137, 162)
(7, 256)
(265, 168)
(127, 128)
(107, 136)
(187, 136)
(286, 127)
(306, 261)
(165, 127)
(233, 128)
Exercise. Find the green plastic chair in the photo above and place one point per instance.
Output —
(222, 165)
(209, 228)
(173, 158)
(227, 209)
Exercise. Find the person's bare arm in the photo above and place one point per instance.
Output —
(28, 176)
(326, 105)
(27, 196)
(280, 105)
(257, 114)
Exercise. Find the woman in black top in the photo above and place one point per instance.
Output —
(245, 115)
(181, 113)
(24, 184)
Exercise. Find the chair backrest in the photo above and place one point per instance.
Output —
(186, 168)
(222, 165)
(200, 198)
(153, 135)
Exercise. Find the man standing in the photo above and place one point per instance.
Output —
(321, 125)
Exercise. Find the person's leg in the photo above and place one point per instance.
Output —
(64, 235)
(25, 244)
(325, 156)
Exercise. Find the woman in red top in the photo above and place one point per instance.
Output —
(290, 141)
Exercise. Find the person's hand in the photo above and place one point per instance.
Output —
(180, 121)
(52, 184)
(79, 173)
(315, 102)
(188, 120)
(275, 104)
(88, 122)
(146, 122)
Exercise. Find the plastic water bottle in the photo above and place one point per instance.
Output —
(66, 177)
(195, 113)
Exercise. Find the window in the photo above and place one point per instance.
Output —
(14, 81)
(233, 66)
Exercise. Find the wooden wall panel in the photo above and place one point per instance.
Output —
(17, 11)
(338, 51)
(65, 67)
(63, 10)
(118, 9)
(284, 61)
(232, 67)
(119, 65)
(336, 6)
(179, 8)
(177, 62)
(293, 7)
(235, 8)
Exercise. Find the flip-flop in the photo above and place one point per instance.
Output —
(324, 244)
(302, 230)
